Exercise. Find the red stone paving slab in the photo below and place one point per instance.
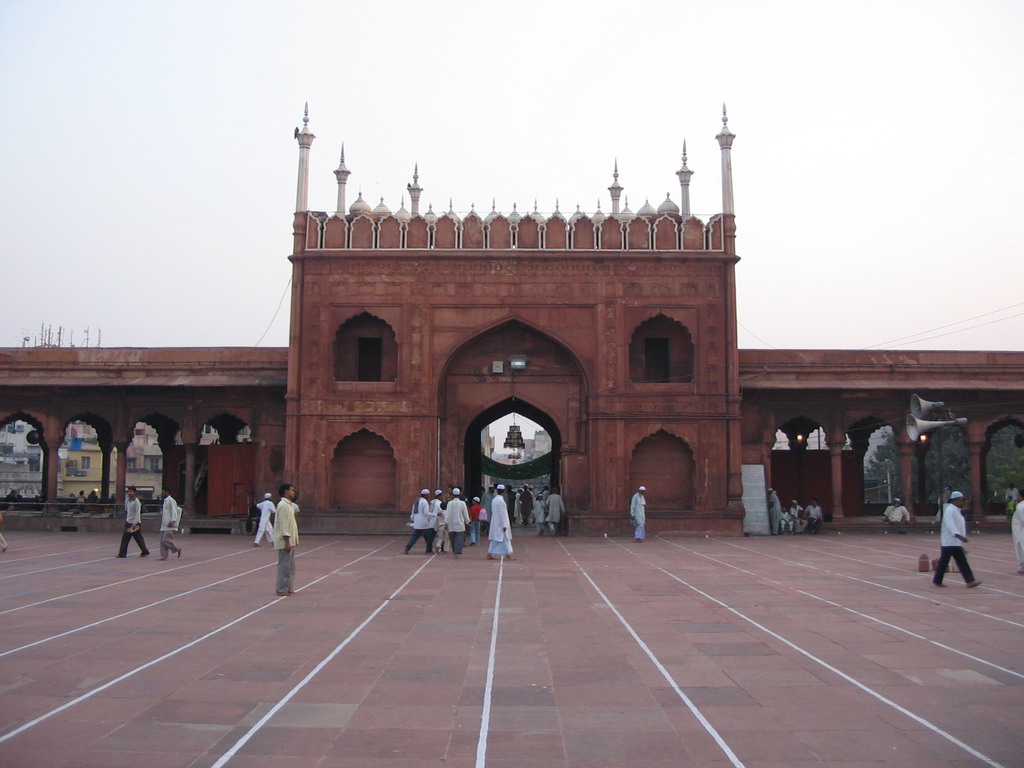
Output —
(571, 687)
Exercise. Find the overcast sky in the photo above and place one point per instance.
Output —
(149, 165)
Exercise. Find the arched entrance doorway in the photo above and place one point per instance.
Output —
(473, 457)
(513, 367)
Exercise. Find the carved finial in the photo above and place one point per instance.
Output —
(725, 116)
(684, 151)
(305, 117)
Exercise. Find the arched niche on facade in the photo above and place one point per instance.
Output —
(1003, 461)
(335, 233)
(664, 463)
(445, 232)
(499, 233)
(584, 238)
(693, 234)
(666, 234)
(389, 233)
(639, 233)
(528, 234)
(611, 234)
(661, 351)
(361, 229)
(555, 236)
(417, 233)
(472, 231)
(363, 473)
(365, 349)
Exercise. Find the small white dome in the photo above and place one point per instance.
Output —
(492, 215)
(403, 215)
(381, 210)
(360, 205)
(668, 206)
(598, 217)
(515, 217)
(647, 209)
(430, 217)
(626, 215)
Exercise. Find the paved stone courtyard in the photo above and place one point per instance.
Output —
(775, 652)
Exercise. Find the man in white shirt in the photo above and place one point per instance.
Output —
(952, 540)
(457, 516)
(422, 519)
(170, 517)
(896, 513)
(265, 529)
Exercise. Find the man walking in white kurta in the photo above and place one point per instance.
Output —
(500, 533)
(265, 529)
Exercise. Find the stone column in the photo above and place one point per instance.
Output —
(190, 477)
(836, 456)
(49, 489)
(974, 448)
(122, 471)
(906, 450)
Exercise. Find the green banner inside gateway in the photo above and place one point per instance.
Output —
(535, 468)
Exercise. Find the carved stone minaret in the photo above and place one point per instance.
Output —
(615, 190)
(725, 139)
(684, 174)
(342, 174)
(415, 190)
(305, 139)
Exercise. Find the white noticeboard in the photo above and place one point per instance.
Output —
(755, 501)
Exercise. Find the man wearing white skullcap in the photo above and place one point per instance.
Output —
(266, 527)
(422, 521)
(457, 515)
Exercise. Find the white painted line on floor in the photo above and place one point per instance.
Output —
(154, 662)
(895, 627)
(916, 596)
(316, 670)
(193, 564)
(485, 715)
(661, 668)
(853, 681)
(78, 564)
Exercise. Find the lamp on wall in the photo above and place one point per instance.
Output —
(517, 362)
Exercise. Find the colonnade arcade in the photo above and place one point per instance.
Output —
(183, 464)
(855, 468)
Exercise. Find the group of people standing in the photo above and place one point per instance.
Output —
(444, 521)
(793, 518)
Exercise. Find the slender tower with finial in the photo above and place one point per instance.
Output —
(342, 174)
(615, 190)
(725, 138)
(305, 139)
(684, 174)
(415, 190)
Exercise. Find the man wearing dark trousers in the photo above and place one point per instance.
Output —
(132, 525)
(953, 538)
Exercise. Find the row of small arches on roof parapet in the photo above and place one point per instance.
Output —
(665, 232)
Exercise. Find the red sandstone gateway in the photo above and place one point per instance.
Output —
(622, 328)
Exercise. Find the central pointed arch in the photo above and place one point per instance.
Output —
(479, 384)
(474, 471)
